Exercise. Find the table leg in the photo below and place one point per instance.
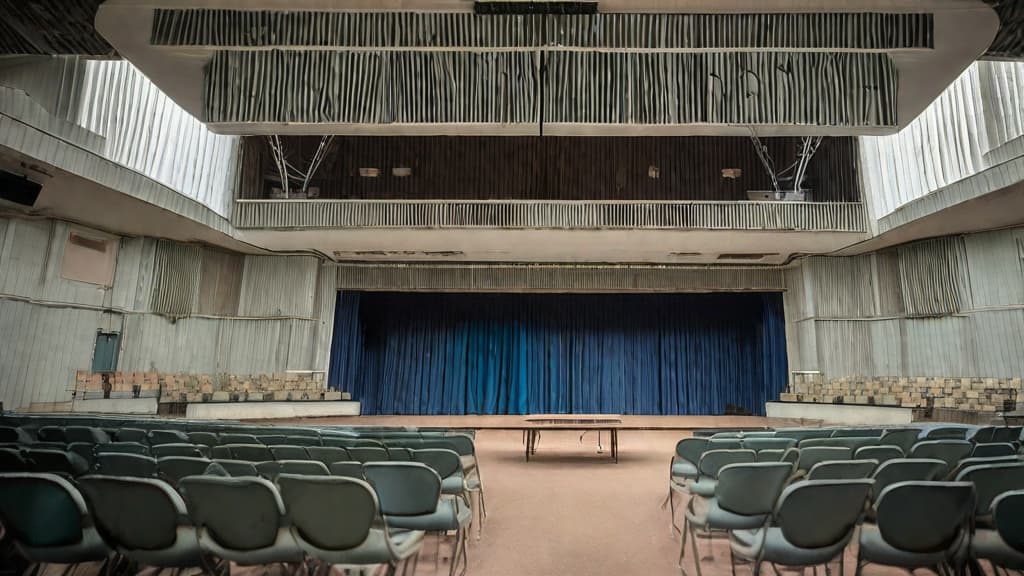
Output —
(615, 445)
(529, 442)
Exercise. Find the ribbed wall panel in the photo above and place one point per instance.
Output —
(1009, 42)
(556, 278)
(997, 258)
(843, 286)
(43, 347)
(961, 147)
(575, 87)
(51, 28)
(176, 279)
(838, 217)
(934, 276)
(279, 286)
(372, 87)
(246, 29)
(720, 88)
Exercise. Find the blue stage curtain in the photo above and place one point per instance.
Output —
(676, 354)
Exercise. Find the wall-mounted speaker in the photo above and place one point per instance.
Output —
(18, 189)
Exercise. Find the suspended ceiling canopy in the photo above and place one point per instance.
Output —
(640, 67)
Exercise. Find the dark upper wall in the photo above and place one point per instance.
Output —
(690, 168)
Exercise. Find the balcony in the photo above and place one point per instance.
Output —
(550, 214)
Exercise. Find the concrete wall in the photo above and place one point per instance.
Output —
(267, 314)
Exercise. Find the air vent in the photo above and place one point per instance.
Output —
(536, 7)
(88, 243)
(684, 254)
(751, 256)
(18, 189)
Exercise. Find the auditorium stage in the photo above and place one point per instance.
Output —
(517, 423)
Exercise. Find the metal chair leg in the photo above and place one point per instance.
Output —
(696, 554)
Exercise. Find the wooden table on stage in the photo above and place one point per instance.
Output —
(535, 423)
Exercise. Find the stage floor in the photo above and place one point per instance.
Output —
(517, 422)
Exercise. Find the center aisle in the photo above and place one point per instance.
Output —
(573, 511)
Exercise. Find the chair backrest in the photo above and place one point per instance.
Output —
(85, 450)
(303, 467)
(126, 465)
(462, 443)
(445, 462)
(690, 449)
(714, 460)
(404, 488)
(799, 434)
(724, 444)
(991, 480)
(799, 512)
(1008, 517)
(85, 434)
(273, 439)
(857, 432)
(12, 435)
(924, 517)
(186, 450)
(55, 462)
(238, 467)
(12, 461)
(842, 469)
(285, 452)
(238, 513)
(852, 443)
(51, 434)
(131, 435)
(811, 456)
(993, 449)
(208, 439)
(123, 448)
(906, 470)
(315, 503)
(174, 468)
(724, 435)
(350, 469)
(983, 435)
(368, 454)
(327, 454)
(134, 513)
(759, 444)
(947, 433)
(1007, 434)
(751, 489)
(304, 441)
(167, 437)
(235, 438)
(969, 462)
(250, 452)
(41, 510)
(905, 438)
(770, 455)
(880, 453)
(949, 451)
(400, 454)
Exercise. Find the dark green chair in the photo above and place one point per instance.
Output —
(208, 439)
(757, 444)
(811, 456)
(842, 470)
(711, 462)
(949, 451)
(919, 525)
(11, 460)
(368, 454)
(287, 452)
(174, 468)
(249, 452)
(86, 434)
(327, 454)
(745, 496)
(993, 449)
(183, 450)
(237, 438)
(14, 435)
(334, 522)
(351, 469)
(241, 520)
(167, 437)
(306, 441)
(51, 434)
(410, 499)
(1007, 434)
(85, 451)
(991, 480)
(237, 468)
(1003, 545)
(55, 462)
(132, 435)
(48, 521)
(879, 453)
(969, 462)
(905, 470)
(273, 439)
(144, 519)
(799, 532)
(123, 448)
(800, 434)
(947, 433)
(126, 465)
(905, 438)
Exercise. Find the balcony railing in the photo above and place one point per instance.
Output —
(550, 214)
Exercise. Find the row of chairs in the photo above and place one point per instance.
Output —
(379, 518)
(983, 434)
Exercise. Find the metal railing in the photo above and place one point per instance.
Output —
(551, 214)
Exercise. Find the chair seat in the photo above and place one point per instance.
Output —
(441, 519)
(90, 548)
(703, 487)
(747, 544)
(684, 469)
(874, 548)
(988, 545)
(705, 513)
(375, 549)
